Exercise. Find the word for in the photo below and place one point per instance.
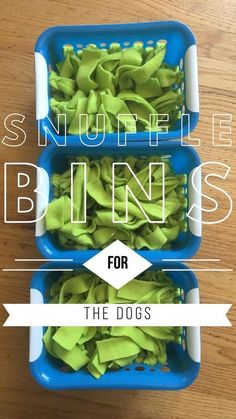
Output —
(117, 262)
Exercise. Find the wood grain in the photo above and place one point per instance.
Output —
(213, 394)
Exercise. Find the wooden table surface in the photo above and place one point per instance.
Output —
(213, 394)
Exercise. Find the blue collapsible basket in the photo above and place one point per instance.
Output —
(183, 360)
(183, 159)
(181, 50)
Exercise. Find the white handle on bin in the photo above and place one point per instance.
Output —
(36, 332)
(191, 79)
(193, 338)
(41, 86)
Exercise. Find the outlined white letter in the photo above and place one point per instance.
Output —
(127, 121)
(159, 118)
(129, 190)
(195, 141)
(60, 130)
(207, 181)
(20, 199)
(81, 172)
(14, 141)
(220, 121)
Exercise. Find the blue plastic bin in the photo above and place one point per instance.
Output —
(181, 50)
(183, 360)
(183, 160)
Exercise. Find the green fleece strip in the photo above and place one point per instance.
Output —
(116, 348)
(75, 358)
(67, 337)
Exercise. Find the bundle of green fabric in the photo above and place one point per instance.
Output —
(102, 348)
(99, 230)
(116, 81)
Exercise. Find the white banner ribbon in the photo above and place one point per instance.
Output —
(117, 314)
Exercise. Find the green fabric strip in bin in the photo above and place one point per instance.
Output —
(58, 213)
(96, 367)
(136, 335)
(112, 349)
(89, 61)
(75, 358)
(67, 337)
